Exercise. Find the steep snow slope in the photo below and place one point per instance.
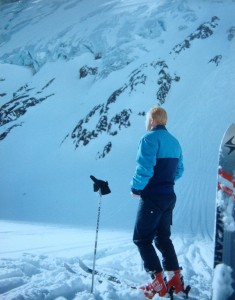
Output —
(74, 105)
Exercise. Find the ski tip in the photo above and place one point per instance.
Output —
(68, 268)
(81, 264)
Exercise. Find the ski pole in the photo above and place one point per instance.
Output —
(96, 241)
(103, 189)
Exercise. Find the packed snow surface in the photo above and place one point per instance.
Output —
(33, 258)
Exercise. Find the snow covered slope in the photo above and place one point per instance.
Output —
(76, 78)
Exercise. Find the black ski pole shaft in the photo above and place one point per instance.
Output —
(103, 188)
(96, 241)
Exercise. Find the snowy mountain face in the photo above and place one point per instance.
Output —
(76, 79)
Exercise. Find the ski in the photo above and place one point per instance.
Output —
(71, 270)
(109, 277)
(101, 275)
(115, 279)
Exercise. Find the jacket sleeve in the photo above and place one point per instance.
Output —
(180, 167)
(145, 162)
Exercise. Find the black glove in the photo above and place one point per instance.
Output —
(100, 185)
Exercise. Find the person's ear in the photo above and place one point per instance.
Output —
(148, 124)
(151, 124)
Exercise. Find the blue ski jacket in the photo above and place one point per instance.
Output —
(159, 163)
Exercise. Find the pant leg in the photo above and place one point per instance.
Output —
(163, 241)
(147, 221)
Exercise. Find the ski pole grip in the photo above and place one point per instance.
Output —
(100, 185)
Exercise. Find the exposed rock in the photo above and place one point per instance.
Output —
(204, 31)
(216, 59)
(106, 150)
(85, 70)
(112, 125)
(19, 105)
(6, 132)
(231, 33)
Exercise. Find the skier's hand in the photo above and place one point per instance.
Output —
(134, 195)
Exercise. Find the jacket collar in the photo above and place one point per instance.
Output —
(159, 127)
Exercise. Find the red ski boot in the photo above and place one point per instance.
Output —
(158, 285)
(175, 280)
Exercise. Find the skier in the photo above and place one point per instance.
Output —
(159, 164)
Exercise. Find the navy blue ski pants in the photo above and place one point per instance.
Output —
(153, 224)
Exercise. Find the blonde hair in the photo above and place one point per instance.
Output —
(159, 115)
